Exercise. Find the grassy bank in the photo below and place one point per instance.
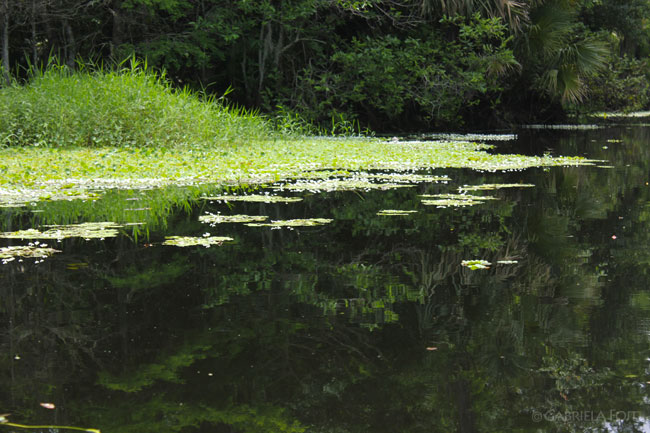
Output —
(66, 135)
(123, 107)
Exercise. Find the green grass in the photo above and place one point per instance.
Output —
(70, 135)
(124, 107)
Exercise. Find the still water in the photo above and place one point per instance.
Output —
(367, 324)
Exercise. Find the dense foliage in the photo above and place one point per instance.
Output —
(384, 64)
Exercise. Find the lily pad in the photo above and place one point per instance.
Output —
(219, 219)
(395, 212)
(91, 230)
(256, 198)
(8, 254)
(476, 264)
(191, 241)
(293, 223)
(493, 186)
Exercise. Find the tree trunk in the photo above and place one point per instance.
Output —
(4, 11)
(70, 46)
(34, 36)
(116, 37)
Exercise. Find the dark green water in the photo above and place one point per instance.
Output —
(368, 324)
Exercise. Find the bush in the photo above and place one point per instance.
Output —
(412, 81)
(622, 86)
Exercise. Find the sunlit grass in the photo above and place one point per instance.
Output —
(123, 107)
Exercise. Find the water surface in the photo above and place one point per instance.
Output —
(366, 324)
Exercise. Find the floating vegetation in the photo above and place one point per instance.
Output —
(32, 174)
(395, 212)
(566, 127)
(293, 223)
(213, 219)
(472, 137)
(493, 186)
(409, 178)
(190, 241)
(256, 198)
(618, 115)
(476, 264)
(453, 200)
(35, 250)
(91, 230)
(329, 185)
(507, 262)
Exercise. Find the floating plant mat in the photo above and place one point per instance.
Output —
(191, 241)
(472, 137)
(219, 219)
(493, 186)
(615, 115)
(564, 127)
(79, 170)
(96, 230)
(293, 223)
(255, 198)
(330, 185)
(476, 264)
(8, 254)
(455, 200)
(395, 212)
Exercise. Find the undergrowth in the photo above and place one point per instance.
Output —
(125, 106)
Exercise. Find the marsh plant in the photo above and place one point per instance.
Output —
(129, 105)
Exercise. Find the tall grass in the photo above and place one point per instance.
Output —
(127, 106)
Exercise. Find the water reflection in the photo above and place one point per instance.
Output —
(368, 324)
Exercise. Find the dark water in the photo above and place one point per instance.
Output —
(368, 324)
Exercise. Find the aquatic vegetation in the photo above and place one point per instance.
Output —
(330, 185)
(213, 219)
(410, 178)
(307, 222)
(256, 198)
(191, 241)
(619, 115)
(458, 197)
(476, 264)
(35, 250)
(493, 186)
(453, 200)
(471, 137)
(90, 230)
(33, 173)
(395, 212)
(564, 127)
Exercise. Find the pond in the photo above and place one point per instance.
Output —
(455, 300)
